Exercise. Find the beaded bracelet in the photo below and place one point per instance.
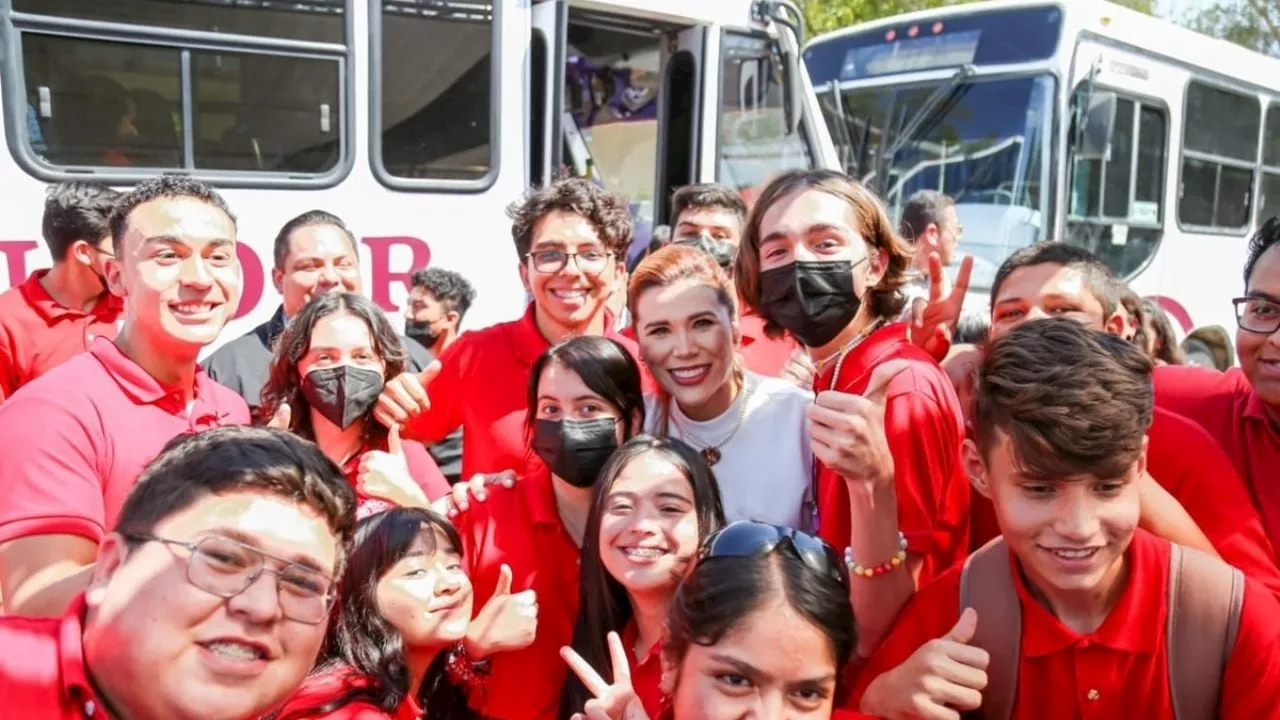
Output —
(878, 570)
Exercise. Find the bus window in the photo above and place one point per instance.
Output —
(1220, 148)
(104, 103)
(435, 90)
(314, 20)
(1115, 206)
(265, 112)
(1269, 197)
(755, 143)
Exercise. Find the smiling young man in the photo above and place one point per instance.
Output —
(1241, 408)
(58, 311)
(1060, 427)
(571, 238)
(73, 442)
(1059, 280)
(208, 600)
(314, 253)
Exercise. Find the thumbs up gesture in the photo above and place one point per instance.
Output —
(943, 678)
(404, 396)
(509, 621)
(847, 430)
(282, 419)
(386, 474)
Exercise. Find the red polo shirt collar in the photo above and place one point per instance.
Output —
(869, 353)
(76, 687)
(540, 497)
(529, 342)
(139, 384)
(1143, 596)
(51, 310)
(1255, 408)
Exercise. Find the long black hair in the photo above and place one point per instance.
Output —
(284, 383)
(722, 591)
(603, 604)
(360, 640)
(606, 368)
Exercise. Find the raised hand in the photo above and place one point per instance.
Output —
(404, 396)
(509, 621)
(847, 430)
(386, 474)
(611, 702)
(799, 370)
(941, 680)
(932, 327)
(282, 419)
(474, 490)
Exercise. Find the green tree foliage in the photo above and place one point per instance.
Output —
(1255, 24)
(823, 16)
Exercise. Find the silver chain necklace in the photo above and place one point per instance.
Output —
(844, 352)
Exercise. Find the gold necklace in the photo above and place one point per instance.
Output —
(849, 346)
(711, 451)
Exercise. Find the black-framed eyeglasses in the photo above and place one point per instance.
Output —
(225, 567)
(1257, 314)
(750, 539)
(592, 261)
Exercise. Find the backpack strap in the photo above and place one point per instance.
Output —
(1206, 597)
(986, 585)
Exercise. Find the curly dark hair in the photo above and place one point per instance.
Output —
(1263, 240)
(165, 186)
(1073, 401)
(76, 211)
(449, 287)
(284, 384)
(607, 212)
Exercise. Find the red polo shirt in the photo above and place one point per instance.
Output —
(522, 529)
(925, 429)
(483, 388)
(760, 353)
(646, 673)
(36, 333)
(422, 468)
(1187, 462)
(42, 669)
(74, 441)
(1226, 406)
(1119, 670)
(323, 688)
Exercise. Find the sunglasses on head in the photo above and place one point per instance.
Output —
(751, 539)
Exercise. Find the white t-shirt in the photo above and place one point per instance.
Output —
(765, 471)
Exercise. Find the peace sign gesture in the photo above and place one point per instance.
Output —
(612, 702)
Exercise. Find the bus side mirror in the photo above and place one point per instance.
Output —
(1097, 122)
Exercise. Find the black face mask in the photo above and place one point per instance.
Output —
(342, 394)
(421, 331)
(575, 450)
(814, 301)
(722, 251)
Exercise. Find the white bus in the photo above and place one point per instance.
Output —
(417, 121)
(1153, 146)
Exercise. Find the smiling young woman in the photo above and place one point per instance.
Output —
(750, 428)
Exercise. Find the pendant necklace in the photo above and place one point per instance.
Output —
(711, 451)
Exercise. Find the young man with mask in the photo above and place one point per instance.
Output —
(314, 253)
(1070, 615)
(73, 441)
(209, 598)
(571, 238)
(1241, 407)
(437, 303)
(58, 312)
(1059, 280)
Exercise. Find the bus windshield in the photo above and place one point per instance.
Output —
(983, 142)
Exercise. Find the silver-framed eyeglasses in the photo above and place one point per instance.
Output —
(1257, 314)
(225, 567)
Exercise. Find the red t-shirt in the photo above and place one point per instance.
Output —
(483, 388)
(74, 441)
(1187, 462)
(760, 353)
(646, 673)
(36, 333)
(42, 668)
(1119, 670)
(522, 528)
(323, 688)
(422, 468)
(1226, 406)
(925, 430)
